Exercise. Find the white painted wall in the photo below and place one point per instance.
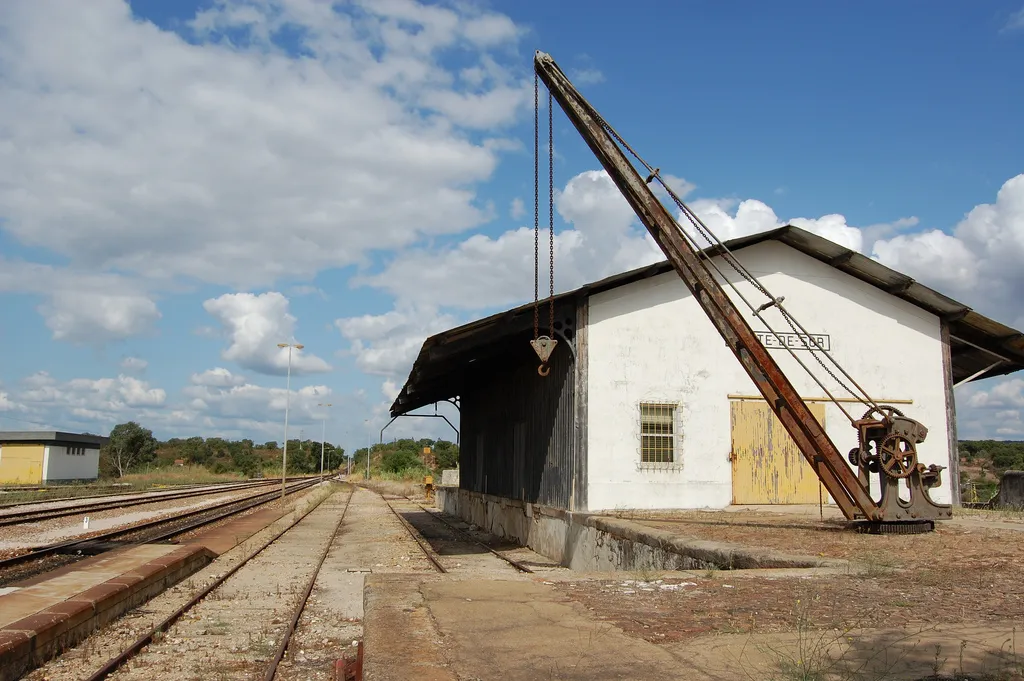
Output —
(650, 341)
(59, 465)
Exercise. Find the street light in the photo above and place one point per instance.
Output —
(287, 400)
(368, 446)
(323, 438)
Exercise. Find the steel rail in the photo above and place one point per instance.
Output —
(514, 563)
(248, 502)
(20, 517)
(282, 647)
(125, 491)
(170, 489)
(116, 662)
(416, 536)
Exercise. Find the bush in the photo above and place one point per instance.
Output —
(400, 461)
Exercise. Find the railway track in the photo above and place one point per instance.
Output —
(36, 515)
(40, 558)
(119, 490)
(424, 544)
(282, 643)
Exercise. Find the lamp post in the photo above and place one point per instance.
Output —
(323, 439)
(287, 401)
(369, 445)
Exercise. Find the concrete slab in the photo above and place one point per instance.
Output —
(440, 628)
(227, 536)
(398, 629)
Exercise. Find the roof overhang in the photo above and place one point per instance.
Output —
(979, 347)
(53, 437)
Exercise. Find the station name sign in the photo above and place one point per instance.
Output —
(794, 341)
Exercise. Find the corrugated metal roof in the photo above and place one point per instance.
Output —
(976, 341)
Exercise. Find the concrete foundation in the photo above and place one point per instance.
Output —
(1011, 489)
(592, 542)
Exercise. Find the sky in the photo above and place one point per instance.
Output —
(184, 185)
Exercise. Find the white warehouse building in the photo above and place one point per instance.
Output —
(646, 408)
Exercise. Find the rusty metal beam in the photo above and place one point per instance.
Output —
(830, 466)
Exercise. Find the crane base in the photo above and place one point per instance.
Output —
(895, 527)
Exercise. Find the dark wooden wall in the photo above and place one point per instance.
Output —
(519, 435)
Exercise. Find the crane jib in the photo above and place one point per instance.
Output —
(849, 489)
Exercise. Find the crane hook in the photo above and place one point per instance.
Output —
(543, 370)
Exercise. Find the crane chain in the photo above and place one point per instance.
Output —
(536, 207)
(551, 216)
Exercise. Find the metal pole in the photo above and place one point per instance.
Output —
(323, 437)
(287, 403)
(369, 446)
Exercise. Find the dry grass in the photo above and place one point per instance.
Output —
(179, 475)
(133, 482)
(398, 488)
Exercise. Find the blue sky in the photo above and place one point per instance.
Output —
(183, 184)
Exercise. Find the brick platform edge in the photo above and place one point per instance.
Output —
(33, 640)
(594, 542)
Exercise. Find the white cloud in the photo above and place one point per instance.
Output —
(934, 256)
(103, 401)
(307, 290)
(225, 159)
(752, 216)
(234, 402)
(386, 344)
(255, 325)
(82, 306)
(1008, 393)
(606, 239)
(1015, 21)
(218, 378)
(979, 263)
(134, 364)
(517, 209)
(500, 270)
(586, 76)
(214, 403)
(76, 316)
(9, 405)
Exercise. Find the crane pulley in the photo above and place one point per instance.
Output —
(543, 345)
(887, 440)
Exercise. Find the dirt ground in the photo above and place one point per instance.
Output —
(959, 573)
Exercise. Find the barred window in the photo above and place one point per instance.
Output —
(657, 433)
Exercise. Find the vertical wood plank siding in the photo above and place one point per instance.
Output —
(518, 428)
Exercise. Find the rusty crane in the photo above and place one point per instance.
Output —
(887, 439)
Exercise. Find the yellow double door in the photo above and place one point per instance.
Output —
(21, 464)
(767, 467)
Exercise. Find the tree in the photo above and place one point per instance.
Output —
(130, 445)
(447, 454)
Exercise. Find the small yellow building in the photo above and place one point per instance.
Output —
(37, 457)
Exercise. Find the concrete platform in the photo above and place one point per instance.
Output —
(440, 629)
(40, 619)
(43, 615)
